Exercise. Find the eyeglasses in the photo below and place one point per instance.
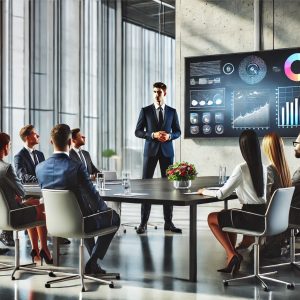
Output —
(295, 144)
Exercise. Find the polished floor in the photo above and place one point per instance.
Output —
(152, 266)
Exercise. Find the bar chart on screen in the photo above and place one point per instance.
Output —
(288, 106)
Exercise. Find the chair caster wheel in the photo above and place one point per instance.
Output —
(135, 227)
(118, 277)
(51, 274)
(13, 278)
(111, 285)
(124, 230)
(266, 289)
(155, 227)
(83, 289)
(290, 286)
(47, 285)
(225, 283)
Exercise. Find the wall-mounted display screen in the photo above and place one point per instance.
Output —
(225, 94)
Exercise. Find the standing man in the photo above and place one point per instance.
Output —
(76, 153)
(158, 124)
(61, 172)
(28, 158)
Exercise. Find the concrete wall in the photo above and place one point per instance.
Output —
(226, 26)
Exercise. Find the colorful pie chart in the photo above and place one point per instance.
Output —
(288, 67)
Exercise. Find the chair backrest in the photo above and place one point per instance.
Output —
(4, 213)
(63, 214)
(277, 214)
(110, 175)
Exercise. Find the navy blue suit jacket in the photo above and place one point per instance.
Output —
(92, 170)
(25, 167)
(62, 173)
(148, 123)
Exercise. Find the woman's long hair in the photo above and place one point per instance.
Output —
(250, 149)
(273, 148)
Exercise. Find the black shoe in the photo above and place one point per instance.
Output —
(233, 266)
(170, 226)
(7, 239)
(3, 251)
(141, 229)
(64, 241)
(93, 268)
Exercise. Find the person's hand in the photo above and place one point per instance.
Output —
(200, 191)
(164, 136)
(93, 177)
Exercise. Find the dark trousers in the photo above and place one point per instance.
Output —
(99, 249)
(149, 166)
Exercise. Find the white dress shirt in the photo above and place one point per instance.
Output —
(241, 182)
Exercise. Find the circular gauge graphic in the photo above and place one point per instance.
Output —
(288, 67)
(219, 129)
(252, 69)
(228, 68)
(206, 129)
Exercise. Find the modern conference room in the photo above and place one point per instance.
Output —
(149, 149)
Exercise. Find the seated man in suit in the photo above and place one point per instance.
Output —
(28, 158)
(76, 153)
(61, 172)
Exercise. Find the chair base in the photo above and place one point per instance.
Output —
(28, 268)
(261, 278)
(71, 276)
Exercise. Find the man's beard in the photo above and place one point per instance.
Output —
(297, 154)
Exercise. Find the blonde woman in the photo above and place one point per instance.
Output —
(273, 148)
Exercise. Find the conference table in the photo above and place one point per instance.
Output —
(159, 191)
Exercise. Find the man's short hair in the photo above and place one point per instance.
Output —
(60, 135)
(4, 140)
(74, 132)
(26, 131)
(160, 85)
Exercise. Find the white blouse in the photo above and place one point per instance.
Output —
(241, 182)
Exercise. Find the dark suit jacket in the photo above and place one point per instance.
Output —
(61, 172)
(25, 167)
(296, 184)
(11, 186)
(147, 124)
(92, 170)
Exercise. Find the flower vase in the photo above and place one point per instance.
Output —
(182, 184)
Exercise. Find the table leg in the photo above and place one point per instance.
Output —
(55, 254)
(193, 243)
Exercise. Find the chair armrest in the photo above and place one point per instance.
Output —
(293, 207)
(98, 213)
(16, 216)
(246, 212)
